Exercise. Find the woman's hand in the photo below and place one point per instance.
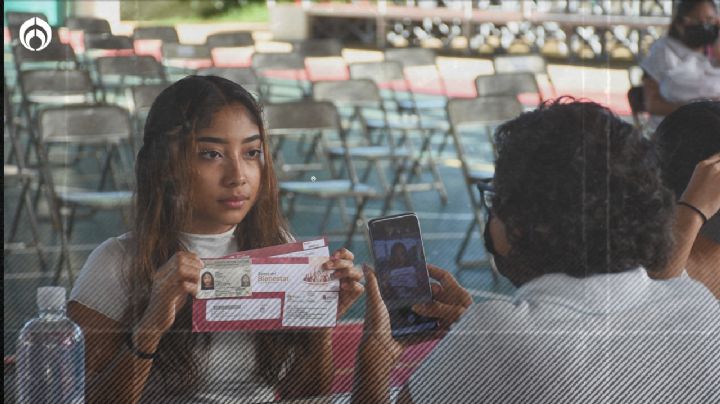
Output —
(172, 283)
(377, 335)
(342, 265)
(703, 191)
(450, 300)
(378, 352)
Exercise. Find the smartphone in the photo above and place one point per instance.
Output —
(401, 270)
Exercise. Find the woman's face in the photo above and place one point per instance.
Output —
(207, 280)
(398, 255)
(696, 28)
(703, 13)
(227, 165)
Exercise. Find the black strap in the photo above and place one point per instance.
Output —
(140, 354)
(698, 211)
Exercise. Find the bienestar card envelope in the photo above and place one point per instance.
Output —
(288, 289)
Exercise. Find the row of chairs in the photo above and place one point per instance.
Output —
(95, 130)
(106, 127)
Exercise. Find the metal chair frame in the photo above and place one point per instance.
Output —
(264, 62)
(87, 128)
(319, 117)
(477, 112)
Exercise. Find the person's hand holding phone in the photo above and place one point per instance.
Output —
(450, 300)
(377, 336)
(379, 351)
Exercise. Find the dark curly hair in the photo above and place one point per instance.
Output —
(579, 191)
(686, 137)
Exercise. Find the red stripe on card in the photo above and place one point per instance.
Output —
(277, 249)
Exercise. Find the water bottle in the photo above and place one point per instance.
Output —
(51, 354)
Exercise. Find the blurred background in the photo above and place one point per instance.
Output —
(418, 87)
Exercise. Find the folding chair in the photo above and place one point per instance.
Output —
(318, 47)
(318, 117)
(425, 87)
(231, 49)
(323, 59)
(101, 45)
(140, 99)
(509, 84)
(57, 55)
(244, 76)
(389, 76)
(230, 39)
(149, 40)
(534, 64)
(79, 27)
(15, 19)
(185, 58)
(52, 87)
(362, 95)
(24, 178)
(280, 70)
(420, 68)
(101, 126)
(163, 33)
(117, 73)
(88, 25)
(477, 114)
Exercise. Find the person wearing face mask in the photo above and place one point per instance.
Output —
(579, 216)
(684, 65)
(688, 142)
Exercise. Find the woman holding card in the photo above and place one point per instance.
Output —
(205, 188)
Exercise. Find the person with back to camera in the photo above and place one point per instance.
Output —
(205, 188)
(684, 65)
(579, 215)
(688, 141)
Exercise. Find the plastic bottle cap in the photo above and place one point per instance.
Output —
(51, 298)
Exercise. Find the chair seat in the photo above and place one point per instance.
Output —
(96, 199)
(54, 98)
(369, 152)
(480, 175)
(409, 123)
(329, 188)
(13, 171)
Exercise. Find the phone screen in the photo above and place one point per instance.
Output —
(401, 270)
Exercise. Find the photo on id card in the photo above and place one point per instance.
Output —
(225, 278)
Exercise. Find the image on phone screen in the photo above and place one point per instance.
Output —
(402, 273)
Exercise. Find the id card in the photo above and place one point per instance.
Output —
(225, 278)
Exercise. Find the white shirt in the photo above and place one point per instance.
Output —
(102, 286)
(616, 338)
(683, 74)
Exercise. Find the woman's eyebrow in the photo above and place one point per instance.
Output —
(210, 139)
(251, 139)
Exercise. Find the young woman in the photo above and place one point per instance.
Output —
(205, 188)
(684, 65)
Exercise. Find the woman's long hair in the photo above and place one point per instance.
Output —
(163, 201)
